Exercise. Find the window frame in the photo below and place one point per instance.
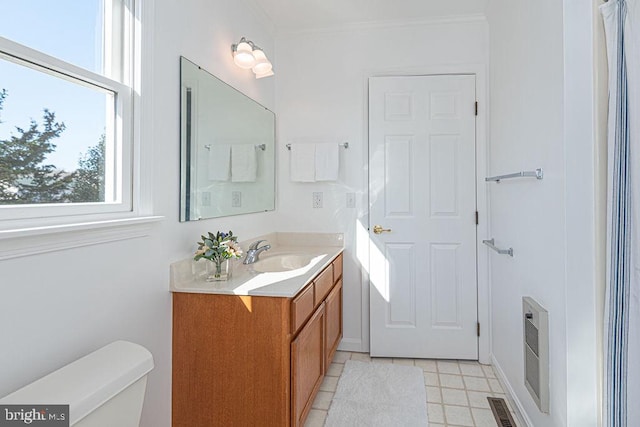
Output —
(14, 217)
(75, 228)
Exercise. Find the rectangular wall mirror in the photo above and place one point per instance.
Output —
(227, 145)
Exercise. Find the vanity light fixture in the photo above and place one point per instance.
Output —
(243, 54)
(247, 55)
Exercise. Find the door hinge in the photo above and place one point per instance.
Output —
(477, 221)
(476, 108)
(478, 328)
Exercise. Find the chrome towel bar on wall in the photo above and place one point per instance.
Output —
(344, 144)
(538, 174)
(491, 244)
(262, 147)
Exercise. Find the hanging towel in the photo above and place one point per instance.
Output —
(244, 163)
(303, 166)
(219, 161)
(327, 162)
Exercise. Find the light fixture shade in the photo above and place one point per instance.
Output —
(266, 74)
(262, 65)
(247, 55)
(243, 55)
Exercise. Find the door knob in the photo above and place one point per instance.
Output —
(379, 230)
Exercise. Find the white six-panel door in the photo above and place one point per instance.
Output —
(423, 296)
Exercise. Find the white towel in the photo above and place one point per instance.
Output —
(327, 162)
(303, 163)
(219, 161)
(244, 163)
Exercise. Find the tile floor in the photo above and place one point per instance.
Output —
(456, 390)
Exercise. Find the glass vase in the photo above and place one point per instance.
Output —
(218, 271)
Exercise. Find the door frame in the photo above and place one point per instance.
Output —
(482, 199)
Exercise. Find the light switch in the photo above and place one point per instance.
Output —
(351, 200)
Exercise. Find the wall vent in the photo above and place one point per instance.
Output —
(536, 352)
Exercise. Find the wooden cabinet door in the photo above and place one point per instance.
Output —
(333, 321)
(307, 366)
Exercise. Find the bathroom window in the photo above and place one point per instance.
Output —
(66, 114)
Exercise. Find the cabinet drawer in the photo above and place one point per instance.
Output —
(302, 307)
(323, 284)
(337, 268)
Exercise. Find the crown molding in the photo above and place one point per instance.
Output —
(374, 25)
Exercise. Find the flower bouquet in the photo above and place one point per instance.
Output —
(218, 248)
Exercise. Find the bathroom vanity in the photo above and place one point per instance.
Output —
(253, 351)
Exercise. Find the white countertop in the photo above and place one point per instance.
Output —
(189, 276)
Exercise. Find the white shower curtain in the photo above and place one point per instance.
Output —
(622, 340)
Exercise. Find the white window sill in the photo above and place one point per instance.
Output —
(29, 241)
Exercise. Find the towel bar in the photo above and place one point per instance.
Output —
(534, 174)
(344, 144)
(263, 147)
(491, 244)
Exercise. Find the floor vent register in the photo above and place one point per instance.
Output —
(501, 412)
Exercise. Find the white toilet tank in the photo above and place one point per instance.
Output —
(103, 389)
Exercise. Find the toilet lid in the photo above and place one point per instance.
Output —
(90, 381)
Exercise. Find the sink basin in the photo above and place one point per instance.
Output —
(284, 262)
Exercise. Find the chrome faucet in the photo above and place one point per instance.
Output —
(254, 252)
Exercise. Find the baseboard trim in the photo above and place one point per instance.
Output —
(511, 395)
(351, 344)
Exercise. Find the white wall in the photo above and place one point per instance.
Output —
(60, 306)
(584, 233)
(322, 95)
(542, 116)
(601, 114)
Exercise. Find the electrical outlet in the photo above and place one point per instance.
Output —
(351, 200)
(236, 199)
(317, 199)
(206, 198)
